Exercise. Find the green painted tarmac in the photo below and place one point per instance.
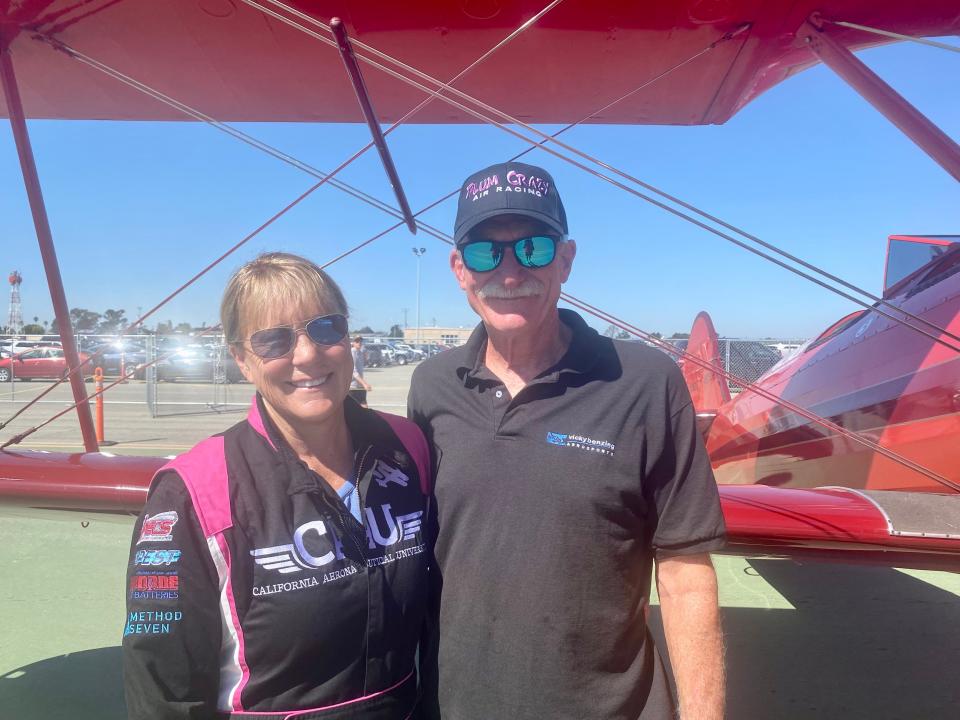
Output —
(818, 641)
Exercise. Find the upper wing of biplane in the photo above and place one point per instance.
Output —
(240, 60)
(525, 62)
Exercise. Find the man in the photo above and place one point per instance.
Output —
(358, 386)
(566, 463)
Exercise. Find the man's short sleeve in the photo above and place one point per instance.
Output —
(682, 489)
(414, 401)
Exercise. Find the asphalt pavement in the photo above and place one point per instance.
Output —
(185, 412)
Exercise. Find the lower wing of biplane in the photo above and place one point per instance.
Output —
(918, 530)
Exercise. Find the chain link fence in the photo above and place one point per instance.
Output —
(192, 375)
(183, 375)
(178, 374)
(748, 359)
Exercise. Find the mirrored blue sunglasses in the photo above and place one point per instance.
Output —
(536, 251)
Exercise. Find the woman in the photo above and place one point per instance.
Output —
(280, 567)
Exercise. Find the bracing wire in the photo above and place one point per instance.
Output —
(323, 177)
(893, 35)
(506, 118)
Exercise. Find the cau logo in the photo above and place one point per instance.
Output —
(296, 556)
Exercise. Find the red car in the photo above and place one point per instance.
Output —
(40, 362)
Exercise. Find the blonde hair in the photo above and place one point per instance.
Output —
(275, 280)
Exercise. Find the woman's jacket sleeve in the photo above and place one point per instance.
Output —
(171, 636)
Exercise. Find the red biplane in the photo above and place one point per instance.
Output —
(805, 426)
(878, 403)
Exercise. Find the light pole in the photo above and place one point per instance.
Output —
(419, 253)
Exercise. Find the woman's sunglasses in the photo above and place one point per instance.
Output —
(276, 342)
(536, 251)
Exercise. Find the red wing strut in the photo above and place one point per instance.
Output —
(31, 181)
(366, 105)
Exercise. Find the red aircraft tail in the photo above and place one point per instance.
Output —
(708, 389)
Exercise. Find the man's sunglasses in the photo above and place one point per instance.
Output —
(276, 342)
(536, 251)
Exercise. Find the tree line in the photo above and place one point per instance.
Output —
(114, 322)
(89, 322)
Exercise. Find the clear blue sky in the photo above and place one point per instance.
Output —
(136, 208)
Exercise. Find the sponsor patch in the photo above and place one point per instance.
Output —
(581, 442)
(154, 595)
(155, 587)
(151, 622)
(156, 557)
(159, 527)
(155, 582)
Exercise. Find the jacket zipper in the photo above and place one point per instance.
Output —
(358, 475)
(340, 512)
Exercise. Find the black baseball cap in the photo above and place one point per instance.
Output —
(510, 188)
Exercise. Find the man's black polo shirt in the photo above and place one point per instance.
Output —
(551, 506)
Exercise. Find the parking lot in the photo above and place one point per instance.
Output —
(187, 412)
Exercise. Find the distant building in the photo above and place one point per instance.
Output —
(438, 335)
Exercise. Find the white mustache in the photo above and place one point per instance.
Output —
(530, 287)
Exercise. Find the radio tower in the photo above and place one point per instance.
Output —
(15, 321)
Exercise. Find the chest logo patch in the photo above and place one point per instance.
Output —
(304, 552)
(581, 442)
(384, 474)
(295, 556)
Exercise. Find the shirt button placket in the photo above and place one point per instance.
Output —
(500, 402)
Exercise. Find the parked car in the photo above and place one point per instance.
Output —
(39, 362)
(409, 352)
(748, 359)
(433, 349)
(373, 356)
(403, 353)
(197, 363)
(115, 354)
(12, 347)
(379, 354)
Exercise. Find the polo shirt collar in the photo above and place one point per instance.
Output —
(581, 356)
